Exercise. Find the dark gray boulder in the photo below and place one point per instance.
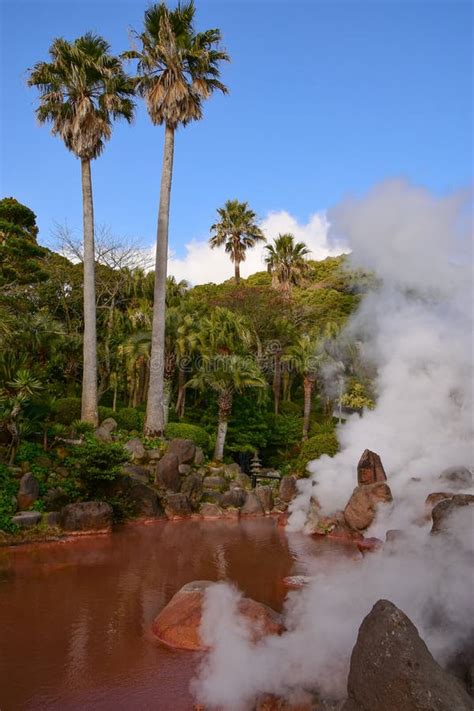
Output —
(136, 450)
(177, 506)
(442, 514)
(27, 519)
(167, 472)
(288, 488)
(392, 669)
(459, 477)
(185, 450)
(86, 516)
(264, 494)
(234, 498)
(28, 492)
(253, 505)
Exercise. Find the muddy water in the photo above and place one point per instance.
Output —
(75, 617)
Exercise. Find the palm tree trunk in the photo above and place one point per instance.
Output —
(237, 272)
(308, 391)
(181, 399)
(277, 382)
(89, 372)
(220, 440)
(155, 415)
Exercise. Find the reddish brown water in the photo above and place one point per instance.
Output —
(75, 617)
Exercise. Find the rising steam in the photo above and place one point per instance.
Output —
(416, 328)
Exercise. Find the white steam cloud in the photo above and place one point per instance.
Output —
(417, 329)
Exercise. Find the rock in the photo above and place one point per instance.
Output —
(265, 496)
(392, 669)
(231, 512)
(86, 516)
(135, 471)
(301, 702)
(370, 469)
(243, 481)
(232, 470)
(51, 518)
(185, 450)
(362, 506)
(154, 455)
(444, 510)
(136, 450)
(144, 498)
(395, 536)
(104, 431)
(253, 505)
(296, 582)
(167, 472)
(192, 487)
(177, 506)
(28, 492)
(282, 519)
(435, 498)
(27, 519)
(367, 545)
(208, 510)
(212, 496)
(185, 469)
(288, 488)
(313, 517)
(279, 506)
(459, 477)
(179, 622)
(461, 665)
(103, 435)
(235, 497)
(198, 457)
(215, 483)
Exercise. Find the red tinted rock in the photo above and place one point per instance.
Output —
(270, 702)
(444, 510)
(370, 469)
(296, 582)
(282, 519)
(288, 488)
(435, 498)
(366, 545)
(178, 623)
(28, 492)
(362, 506)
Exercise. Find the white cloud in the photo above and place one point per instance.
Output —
(201, 264)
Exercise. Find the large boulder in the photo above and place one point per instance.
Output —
(143, 498)
(288, 488)
(253, 505)
(135, 471)
(242, 480)
(198, 457)
(178, 624)
(458, 477)
(392, 669)
(265, 496)
(215, 483)
(177, 506)
(442, 514)
(209, 510)
(135, 449)
(191, 486)
(55, 498)
(27, 519)
(235, 497)
(28, 492)
(232, 470)
(104, 431)
(167, 472)
(370, 469)
(362, 506)
(86, 516)
(435, 497)
(185, 450)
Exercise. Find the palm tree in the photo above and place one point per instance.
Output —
(82, 90)
(177, 70)
(226, 375)
(237, 230)
(285, 259)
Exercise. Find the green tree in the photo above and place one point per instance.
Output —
(226, 375)
(82, 90)
(237, 230)
(177, 70)
(286, 262)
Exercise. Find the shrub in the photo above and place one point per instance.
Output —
(67, 409)
(96, 462)
(285, 430)
(105, 412)
(8, 489)
(315, 447)
(183, 430)
(291, 408)
(129, 419)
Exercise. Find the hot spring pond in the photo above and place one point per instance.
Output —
(75, 616)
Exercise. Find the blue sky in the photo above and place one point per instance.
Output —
(326, 98)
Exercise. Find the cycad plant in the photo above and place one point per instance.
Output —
(178, 68)
(237, 230)
(83, 89)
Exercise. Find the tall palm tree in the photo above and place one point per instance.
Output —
(226, 375)
(177, 70)
(82, 90)
(286, 262)
(238, 230)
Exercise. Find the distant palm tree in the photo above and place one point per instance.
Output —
(177, 70)
(238, 230)
(286, 262)
(82, 90)
(226, 375)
